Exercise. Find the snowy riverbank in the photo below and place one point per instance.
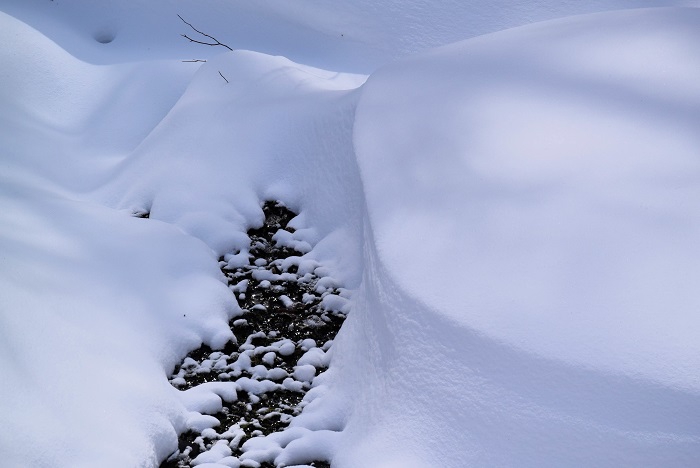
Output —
(515, 216)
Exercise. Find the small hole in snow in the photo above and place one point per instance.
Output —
(104, 37)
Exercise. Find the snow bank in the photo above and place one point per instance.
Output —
(96, 305)
(551, 186)
(532, 293)
(276, 130)
(95, 309)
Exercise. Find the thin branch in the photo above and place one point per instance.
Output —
(215, 43)
(200, 42)
(194, 60)
(222, 76)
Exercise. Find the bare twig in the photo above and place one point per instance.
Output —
(194, 60)
(215, 43)
(222, 76)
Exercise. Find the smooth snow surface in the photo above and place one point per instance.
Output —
(515, 215)
(350, 35)
(553, 189)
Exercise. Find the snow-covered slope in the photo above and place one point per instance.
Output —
(553, 187)
(533, 196)
(96, 305)
(516, 214)
(356, 35)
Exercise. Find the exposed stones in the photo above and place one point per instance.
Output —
(292, 310)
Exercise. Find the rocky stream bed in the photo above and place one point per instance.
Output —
(292, 310)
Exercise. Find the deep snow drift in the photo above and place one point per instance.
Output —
(549, 234)
(516, 215)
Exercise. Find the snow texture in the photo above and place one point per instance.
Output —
(514, 217)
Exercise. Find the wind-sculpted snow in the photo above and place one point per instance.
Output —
(346, 35)
(194, 152)
(551, 187)
(532, 197)
(514, 217)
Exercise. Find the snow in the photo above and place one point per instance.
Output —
(90, 323)
(548, 235)
(540, 189)
(511, 218)
(357, 35)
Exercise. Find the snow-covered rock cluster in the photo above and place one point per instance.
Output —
(291, 311)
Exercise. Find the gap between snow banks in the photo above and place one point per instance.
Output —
(291, 310)
(97, 292)
(276, 130)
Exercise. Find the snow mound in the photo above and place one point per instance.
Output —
(551, 187)
(531, 281)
